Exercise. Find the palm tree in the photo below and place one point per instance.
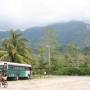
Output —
(15, 49)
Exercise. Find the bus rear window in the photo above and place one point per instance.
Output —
(1, 66)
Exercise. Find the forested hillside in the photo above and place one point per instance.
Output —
(68, 31)
(60, 49)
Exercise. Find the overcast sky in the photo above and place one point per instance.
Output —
(27, 13)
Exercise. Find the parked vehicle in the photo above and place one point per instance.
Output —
(15, 70)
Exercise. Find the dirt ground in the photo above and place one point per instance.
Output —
(51, 83)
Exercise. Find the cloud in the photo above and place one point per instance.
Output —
(27, 13)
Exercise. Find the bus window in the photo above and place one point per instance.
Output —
(5, 66)
(1, 66)
(28, 68)
(23, 68)
(16, 67)
(10, 67)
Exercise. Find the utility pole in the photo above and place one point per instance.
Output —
(49, 57)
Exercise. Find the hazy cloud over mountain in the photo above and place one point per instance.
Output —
(26, 13)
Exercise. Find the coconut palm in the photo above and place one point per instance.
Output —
(15, 49)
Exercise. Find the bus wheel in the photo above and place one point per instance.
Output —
(16, 78)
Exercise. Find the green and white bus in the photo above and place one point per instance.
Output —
(15, 70)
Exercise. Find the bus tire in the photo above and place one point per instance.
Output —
(16, 78)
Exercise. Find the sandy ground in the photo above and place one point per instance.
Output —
(52, 83)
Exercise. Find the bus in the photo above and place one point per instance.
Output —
(15, 70)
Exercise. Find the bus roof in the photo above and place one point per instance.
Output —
(16, 64)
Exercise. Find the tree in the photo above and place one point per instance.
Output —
(86, 51)
(72, 54)
(15, 49)
(49, 47)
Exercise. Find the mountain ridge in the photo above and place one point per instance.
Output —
(68, 31)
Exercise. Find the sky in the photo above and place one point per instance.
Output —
(22, 14)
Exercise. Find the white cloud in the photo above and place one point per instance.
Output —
(25, 13)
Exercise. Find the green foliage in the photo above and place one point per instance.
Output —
(15, 49)
(48, 48)
(70, 61)
(48, 57)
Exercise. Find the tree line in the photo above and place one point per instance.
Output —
(49, 56)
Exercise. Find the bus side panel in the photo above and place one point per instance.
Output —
(11, 73)
(22, 73)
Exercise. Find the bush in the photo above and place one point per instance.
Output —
(71, 71)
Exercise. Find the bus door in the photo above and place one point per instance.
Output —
(4, 68)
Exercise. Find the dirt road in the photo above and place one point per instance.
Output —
(52, 83)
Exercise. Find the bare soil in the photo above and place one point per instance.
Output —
(51, 83)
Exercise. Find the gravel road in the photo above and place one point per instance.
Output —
(52, 83)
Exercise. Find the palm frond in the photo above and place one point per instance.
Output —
(4, 57)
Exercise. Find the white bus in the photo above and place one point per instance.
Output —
(15, 70)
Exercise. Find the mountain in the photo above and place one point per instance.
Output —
(68, 31)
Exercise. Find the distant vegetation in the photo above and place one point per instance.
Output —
(15, 49)
(67, 31)
(57, 59)
(49, 54)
